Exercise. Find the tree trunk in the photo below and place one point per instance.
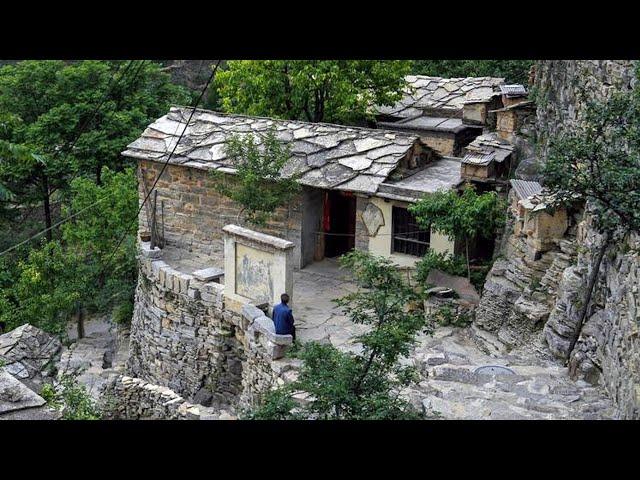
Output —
(590, 285)
(80, 321)
(47, 206)
(466, 246)
(99, 175)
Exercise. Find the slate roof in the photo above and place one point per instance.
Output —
(525, 189)
(327, 156)
(421, 122)
(425, 92)
(486, 149)
(439, 175)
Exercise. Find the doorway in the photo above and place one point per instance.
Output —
(338, 222)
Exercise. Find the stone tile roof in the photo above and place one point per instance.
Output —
(525, 189)
(487, 148)
(439, 175)
(441, 93)
(438, 124)
(326, 156)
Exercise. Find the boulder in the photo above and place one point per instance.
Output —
(27, 350)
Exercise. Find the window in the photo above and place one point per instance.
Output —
(408, 237)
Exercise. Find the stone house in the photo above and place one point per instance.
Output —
(447, 113)
(356, 186)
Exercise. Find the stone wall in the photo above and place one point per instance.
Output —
(563, 87)
(128, 398)
(194, 213)
(188, 336)
(544, 296)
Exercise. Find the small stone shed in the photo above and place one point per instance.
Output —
(447, 113)
(356, 185)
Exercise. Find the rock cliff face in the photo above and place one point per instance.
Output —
(525, 298)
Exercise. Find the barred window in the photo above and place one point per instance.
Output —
(408, 237)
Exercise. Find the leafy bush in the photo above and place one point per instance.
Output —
(71, 398)
(364, 385)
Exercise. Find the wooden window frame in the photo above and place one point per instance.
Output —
(406, 236)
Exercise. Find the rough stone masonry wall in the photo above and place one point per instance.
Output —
(194, 213)
(608, 351)
(185, 337)
(127, 398)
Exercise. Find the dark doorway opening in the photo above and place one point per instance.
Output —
(339, 223)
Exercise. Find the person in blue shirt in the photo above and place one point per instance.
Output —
(283, 317)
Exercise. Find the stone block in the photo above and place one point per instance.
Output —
(148, 252)
(209, 274)
(251, 312)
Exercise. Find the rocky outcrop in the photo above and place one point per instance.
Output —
(27, 352)
(19, 402)
(563, 87)
(548, 291)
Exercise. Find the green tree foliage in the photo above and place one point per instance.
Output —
(71, 399)
(364, 385)
(49, 286)
(45, 292)
(92, 237)
(45, 105)
(338, 91)
(463, 216)
(258, 187)
(513, 71)
(599, 161)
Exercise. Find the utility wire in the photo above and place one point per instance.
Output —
(95, 112)
(66, 219)
(193, 110)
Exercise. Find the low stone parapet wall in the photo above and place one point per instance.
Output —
(188, 336)
(128, 398)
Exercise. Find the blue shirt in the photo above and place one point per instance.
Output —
(283, 319)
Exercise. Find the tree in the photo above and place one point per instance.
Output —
(45, 291)
(513, 71)
(258, 187)
(59, 279)
(464, 216)
(598, 162)
(365, 385)
(91, 237)
(339, 91)
(46, 104)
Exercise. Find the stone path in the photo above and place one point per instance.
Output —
(95, 356)
(316, 315)
(539, 388)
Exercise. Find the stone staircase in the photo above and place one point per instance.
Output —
(538, 388)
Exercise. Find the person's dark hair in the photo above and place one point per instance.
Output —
(284, 298)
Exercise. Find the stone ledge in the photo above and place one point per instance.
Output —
(257, 237)
(145, 249)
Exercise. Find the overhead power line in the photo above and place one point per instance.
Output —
(164, 166)
(71, 145)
